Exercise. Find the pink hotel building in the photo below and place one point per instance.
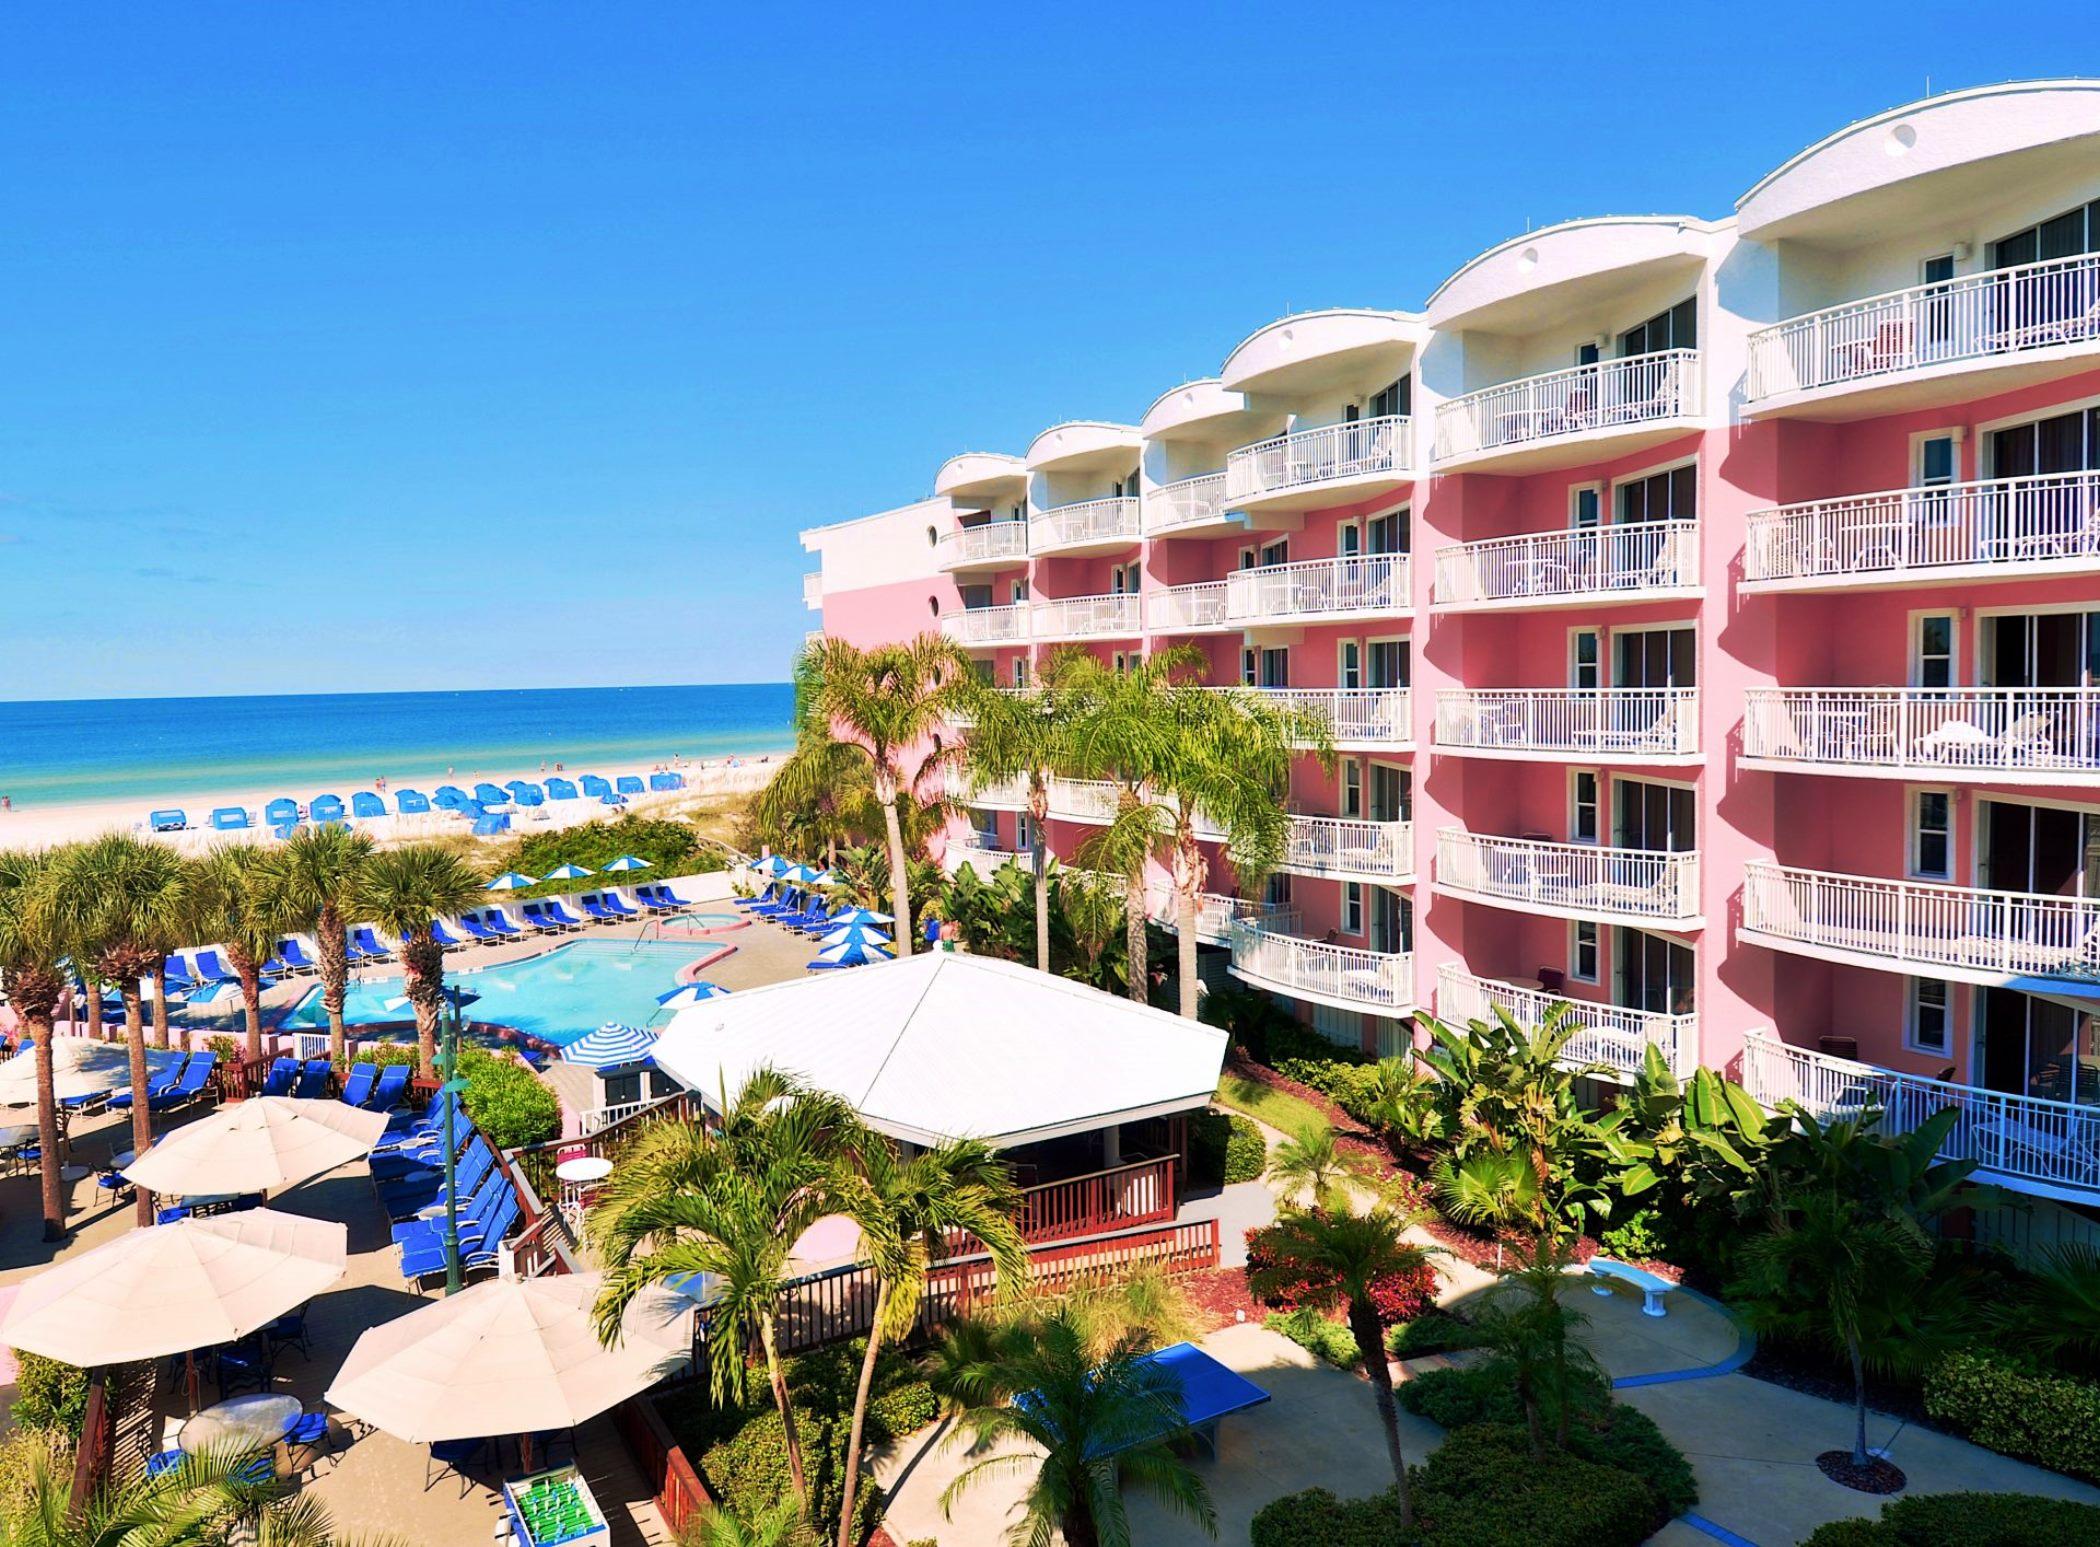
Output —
(1707, 613)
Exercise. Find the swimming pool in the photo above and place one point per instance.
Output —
(556, 996)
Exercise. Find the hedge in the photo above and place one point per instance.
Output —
(1432, 1332)
(1225, 1148)
(49, 1394)
(1323, 1339)
(2018, 1409)
(506, 1100)
(1316, 1518)
(1968, 1520)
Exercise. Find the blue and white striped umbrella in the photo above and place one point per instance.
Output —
(801, 875)
(690, 993)
(824, 878)
(627, 862)
(568, 873)
(609, 1045)
(861, 916)
(857, 934)
(510, 881)
(772, 865)
(852, 954)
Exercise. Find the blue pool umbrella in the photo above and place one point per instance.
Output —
(851, 954)
(690, 993)
(610, 1045)
(861, 916)
(627, 862)
(856, 934)
(772, 865)
(510, 881)
(801, 875)
(568, 873)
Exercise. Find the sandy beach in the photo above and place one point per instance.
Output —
(66, 823)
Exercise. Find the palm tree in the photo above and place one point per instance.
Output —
(1335, 1258)
(201, 1503)
(2055, 1313)
(113, 901)
(1099, 1423)
(891, 705)
(730, 1202)
(318, 870)
(1315, 1166)
(406, 891)
(1025, 736)
(29, 959)
(721, 1526)
(907, 1210)
(1093, 911)
(238, 900)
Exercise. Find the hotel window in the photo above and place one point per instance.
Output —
(1937, 462)
(1352, 787)
(1672, 495)
(1352, 908)
(2067, 235)
(1937, 270)
(1275, 553)
(1349, 672)
(1275, 669)
(1932, 664)
(1928, 1018)
(1020, 671)
(1583, 657)
(1248, 667)
(1387, 664)
(1395, 399)
(1582, 815)
(1391, 533)
(1123, 579)
(1677, 328)
(1348, 540)
(1018, 592)
(1585, 506)
(1582, 950)
(1932, 844)
(1023, 842)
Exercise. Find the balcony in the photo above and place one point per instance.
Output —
(2002, 735)
(1113, 616)
(1636, 562)
(813, 590)
(984, 627)
(1190, 507)
(1635, 726)
(1999, 529)
(1091, 526)
(1320, 590)
(1327, 466)
(2028, 1143)
(990, 545)
(1358, 719)
(1084, 800)
(1345, 977)
(1605, 1034)
(1963, 933)
(981, 852)
(1931, 344)
(1584, 414)
(1215, 914)
(1350, 849)
(1005, 795)
(1188, 609)
(1570, 880)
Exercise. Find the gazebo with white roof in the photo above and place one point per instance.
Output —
(943, 1045)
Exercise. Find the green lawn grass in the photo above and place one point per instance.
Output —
(1276, 1108)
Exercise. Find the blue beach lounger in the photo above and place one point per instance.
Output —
(359, 1083)
(366, 803)
(391, 1087)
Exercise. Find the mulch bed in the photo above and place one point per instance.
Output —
(1221, 1297)
(1879, 1475)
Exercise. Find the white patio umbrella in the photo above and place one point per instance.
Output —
(509, 1356)
(168, 1289)
(254, 1146)
(80, 1066)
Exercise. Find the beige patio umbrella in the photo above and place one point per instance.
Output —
(80, 1066)
(509, 1356)
(257, 1145)
(169, 1289)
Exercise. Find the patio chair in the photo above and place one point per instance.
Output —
(313, 1080)
(289, 1331)
(311, 1436)
(278, 1082)
(389, 1090)
(446, 940)
(158, 1084)
(165, 1461)
(500, 921)
(477, 929)
(619, 908)
(456, 1457)
(358, 1086)
(294, 957)
(190, 1086)
(561, 915)
(365, 941)
(594, 905)
(242, 1365)
(210, 969)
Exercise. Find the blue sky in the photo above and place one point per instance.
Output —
(413, 346)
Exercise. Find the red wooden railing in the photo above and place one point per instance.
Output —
(91, 1461)
(680, 1495)
(236, 1079)
(1137, 1194)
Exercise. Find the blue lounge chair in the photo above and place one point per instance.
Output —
(366, 803)
(476, 929)
(230, 819)
(365, 944)
(176, 973)
(358, 1085)
(560, 789)
(629, 784)
(278, 1082)
(417, 1203)
(391, 1087)
(612, 901)
(411, 802)
(536, 916)
(443, 936)
(663, 890)
(294, 957)
(326, 808)
(422, 1259)
(593, 903)
(169, 821)
(595, 787)
(160, 1080)
(281, 811)
(187, 1089)
(313, 1080)
(561, 915)
(500, 921)
(209, 969)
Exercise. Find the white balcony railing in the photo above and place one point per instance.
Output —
(1198, 501)
(1337, 974)
(1083, 800)
(1932, 731)
(1002, 795)
(1334, 453)
(981, 853)
(1624, 562)
(2031, 1142)
(1374, 716)
(1611, 394)
(1585, 878)
(1605, 1033)
(1369, 583)
(1993, 935)
(1215, 913)
(1183, 607)
(1113, 616)
(1006, 625)
(1090, 521)
(1974, 317)
(1586, 722)
(1347, 846)
(986, 543)
(2003, 525)
(813, 589)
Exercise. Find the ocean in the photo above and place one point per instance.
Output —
(64, 752)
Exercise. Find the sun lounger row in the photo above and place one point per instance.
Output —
(174, 1086)
(285, 812)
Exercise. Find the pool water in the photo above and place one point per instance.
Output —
(556, 996)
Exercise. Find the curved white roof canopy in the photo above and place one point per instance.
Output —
(982, 475)
(1084, 444)
(1527, 282)
(1311, 352)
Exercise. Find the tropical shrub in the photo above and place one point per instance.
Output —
(1316, 1518)
(1225, 1148)
(673, 848)
(1398, 1296)
(24, 1455)
(1323, 1339)
(506, 1100)
(2018, 1409)
(1636, 1237)
(49, 1394)
(1432, 1332)
(749, 1470)
(1483, 1488)
(1968, 1520)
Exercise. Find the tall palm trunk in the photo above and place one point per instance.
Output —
(1363, 1321)
(334, 950)
(141, 1106)
(1859, 1403)
(776, 1376)
(850, 1483)
(36, 994)
(160, 1001)
(1135, 970)
(87, 1008)
(423, 965)
(1188, 884)
(900, 886)
(250, 971)
(1039, 858)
